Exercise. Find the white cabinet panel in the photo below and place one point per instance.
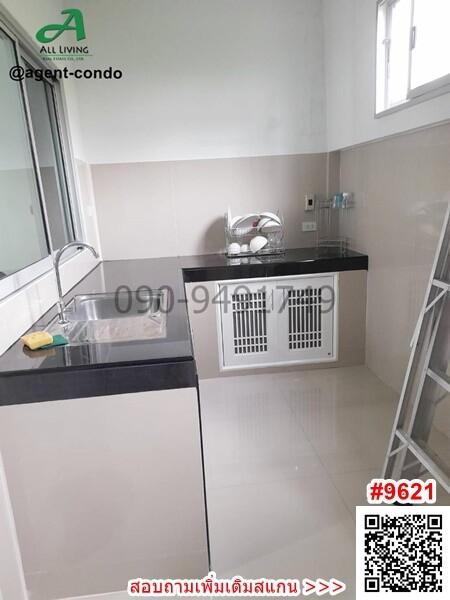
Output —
(105, 489)
(306, 323)
(277, 321)
(247, 328)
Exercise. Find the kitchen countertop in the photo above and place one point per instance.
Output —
(126, 367)
(295, 261)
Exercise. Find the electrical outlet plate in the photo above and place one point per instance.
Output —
(309, 226)
(309, 202)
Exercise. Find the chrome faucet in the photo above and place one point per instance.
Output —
(57, 259)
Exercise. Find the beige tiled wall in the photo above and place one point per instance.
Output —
(402, 188)
(176, 208)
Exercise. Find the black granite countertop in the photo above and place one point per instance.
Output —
(295, 261)
(125, 367)
(107, 368)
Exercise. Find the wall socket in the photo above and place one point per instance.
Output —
(310, 202)
(309, 226)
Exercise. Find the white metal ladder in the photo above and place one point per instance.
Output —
(427, 380)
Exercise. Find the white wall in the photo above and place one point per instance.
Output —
(350, 50)
(226, 78)
(203, 79)
(33, 15)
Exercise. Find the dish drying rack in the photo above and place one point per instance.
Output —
(242, 230)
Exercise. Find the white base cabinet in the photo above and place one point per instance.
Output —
(105, 489)
(277, 321)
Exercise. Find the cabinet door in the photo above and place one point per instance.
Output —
(307, 313)
(247, 324)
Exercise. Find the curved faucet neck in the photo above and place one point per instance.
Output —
(56, 261)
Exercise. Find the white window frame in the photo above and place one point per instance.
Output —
(22, 46)
(431, 86)
(416, 95)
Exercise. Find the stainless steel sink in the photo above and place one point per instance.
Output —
(122, 305)
(113, 317)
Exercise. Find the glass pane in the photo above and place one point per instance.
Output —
(381, 58)
(400, 29)
(431, 56)
(42, 109)
(22, 240)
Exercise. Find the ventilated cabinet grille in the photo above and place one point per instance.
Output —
(287, 320)
(305, 318)
(249, 322)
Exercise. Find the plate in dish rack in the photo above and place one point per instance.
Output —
(247, 222)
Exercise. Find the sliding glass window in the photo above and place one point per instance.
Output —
(23, 238)
(413, 51)
(50, 159)
(35, 205)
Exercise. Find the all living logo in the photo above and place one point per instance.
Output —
(48, 34)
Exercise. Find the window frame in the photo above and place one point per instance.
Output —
(430, 86)
(25, 50)
(26, 60)
(432, 89)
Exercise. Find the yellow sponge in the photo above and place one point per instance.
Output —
(37, 339)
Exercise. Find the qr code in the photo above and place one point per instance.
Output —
(403, 550)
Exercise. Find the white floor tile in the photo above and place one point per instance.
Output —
(352, 487)
(255, 521)
(288, 457)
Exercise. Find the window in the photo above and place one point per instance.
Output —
(23, 240)
(35, 202)
(413, 51)
(431, 44)
(51, 165)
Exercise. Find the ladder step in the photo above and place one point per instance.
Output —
(441, 378)
(427, 461)
(444, 287)
(441, 284)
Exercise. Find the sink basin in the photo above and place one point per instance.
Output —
(113, 317)
(122, 305)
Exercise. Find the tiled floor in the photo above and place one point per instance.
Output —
(287, 458)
